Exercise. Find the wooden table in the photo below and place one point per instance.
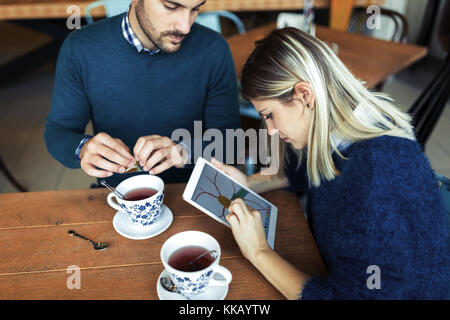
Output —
(370, 59)
(45, 9)
(36, 249)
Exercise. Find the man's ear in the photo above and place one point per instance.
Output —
(304, 94)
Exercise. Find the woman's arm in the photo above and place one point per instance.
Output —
(257, 182)
(249, 234)
(281, 274)
(263, 183)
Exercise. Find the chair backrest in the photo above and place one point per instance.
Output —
(112, 8)
(428, 107)
(211, 20)
(401, 27)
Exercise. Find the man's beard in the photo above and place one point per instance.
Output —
(150, 31)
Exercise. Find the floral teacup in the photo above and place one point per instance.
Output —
(143, 212)
(196, 282)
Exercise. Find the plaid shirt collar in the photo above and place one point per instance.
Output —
(130, 36)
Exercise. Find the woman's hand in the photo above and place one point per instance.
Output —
(231, 171)
(248, 230)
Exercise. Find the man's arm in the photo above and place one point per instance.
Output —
(70, 110)
(66, 123)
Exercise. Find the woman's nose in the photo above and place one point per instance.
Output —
(273, 131)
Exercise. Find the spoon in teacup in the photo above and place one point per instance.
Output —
(111, 188)
(213, 254)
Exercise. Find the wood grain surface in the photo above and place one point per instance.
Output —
(36, 250)
(371, 60)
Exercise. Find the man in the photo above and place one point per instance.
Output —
(138, 77)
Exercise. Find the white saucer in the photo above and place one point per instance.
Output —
(211, 293)
(129, 230)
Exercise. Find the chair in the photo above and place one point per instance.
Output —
(358, 23)
(112, 8)
(428, 107)
(211, 20)
(10, 177)
(401, 27)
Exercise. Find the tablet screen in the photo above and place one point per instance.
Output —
(215, 192)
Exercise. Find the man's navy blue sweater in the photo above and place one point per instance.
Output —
(383, 210)
(127, 94)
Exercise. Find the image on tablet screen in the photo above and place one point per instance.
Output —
(215, 192)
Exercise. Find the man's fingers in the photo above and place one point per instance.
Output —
(156, 157)
(94, 172)
(112, 149)
(120, 154)
(113, 157)
(140, 144)
(124, 147)
(106, 164)
(115, 144)
(178, 156)
(149, 146)
(162, 167)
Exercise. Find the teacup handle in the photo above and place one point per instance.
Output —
(113, 203)
(225, 273)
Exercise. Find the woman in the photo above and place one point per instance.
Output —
(373, 203)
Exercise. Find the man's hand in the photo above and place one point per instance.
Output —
(103, 155)
(154, 150)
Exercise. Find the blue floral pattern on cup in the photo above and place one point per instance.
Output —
(192, 285)
(146, 213)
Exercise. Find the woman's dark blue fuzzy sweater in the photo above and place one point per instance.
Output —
(383, 210)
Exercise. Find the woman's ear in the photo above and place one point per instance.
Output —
(304, 94)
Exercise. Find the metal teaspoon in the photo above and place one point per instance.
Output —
(97, 245)
(111, 188)
(212, 252)
(168, 284)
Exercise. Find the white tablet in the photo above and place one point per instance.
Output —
(211, 190)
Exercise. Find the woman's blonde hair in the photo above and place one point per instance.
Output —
(288, 56)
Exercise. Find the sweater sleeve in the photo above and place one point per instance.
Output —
(379, 237)
(70, 108)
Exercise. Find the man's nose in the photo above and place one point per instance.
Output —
(184, 23)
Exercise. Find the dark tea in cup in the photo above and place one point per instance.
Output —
(140, 194)
(181, 259)
(194, 279)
